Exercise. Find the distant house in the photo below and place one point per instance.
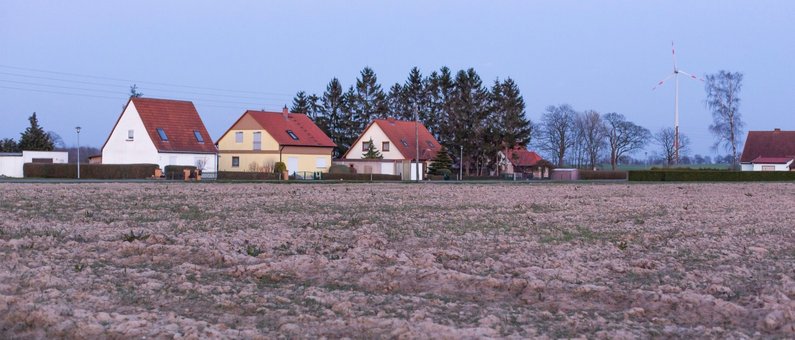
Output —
(769, 151)
(396, 140)
(160, 131)
(259, 139)
(12, 163)
(528, 163)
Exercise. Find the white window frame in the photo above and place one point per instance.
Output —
(130, 134)
(239, 137)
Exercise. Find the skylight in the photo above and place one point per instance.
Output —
(198, 135)
(162, 134)
(292, 134)
(404, 142)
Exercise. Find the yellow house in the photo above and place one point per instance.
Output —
(259, 139)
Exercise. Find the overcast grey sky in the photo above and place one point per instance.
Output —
(600, 55)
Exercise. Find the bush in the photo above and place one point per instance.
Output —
(339, 169)
(361, 177)
(90, 171)
(445, 173)
(176, 171)
(601, 174)
(237, 175)
(710, 176)
(279, 167)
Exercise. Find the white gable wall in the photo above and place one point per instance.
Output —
(378, 137)
(120, 150)
(11, 165)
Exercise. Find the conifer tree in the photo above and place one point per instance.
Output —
(300, 103)
(440, 93)
(369, 101)
(441, 161)
(34, 138)
(468, 118)
(8, 145)
(510, 126)
(372, 152)
(396, 102)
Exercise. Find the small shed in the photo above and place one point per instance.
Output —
(565, 174)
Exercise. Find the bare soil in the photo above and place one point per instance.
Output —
(173, 260)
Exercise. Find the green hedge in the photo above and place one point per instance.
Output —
(601, 174)
(237, 175)
(710, 176)
(175, 171)
(361, 177)
(90, 171)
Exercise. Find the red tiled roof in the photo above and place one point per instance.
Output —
(178, 119)
(519, 156)
(772, 160)
(276, 124)
(774, 143)
(402, 135)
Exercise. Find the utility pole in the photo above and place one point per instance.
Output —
(461, 164)
(77, 128)
(417, 140)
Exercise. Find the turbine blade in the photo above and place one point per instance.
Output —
(690, 75)
(673, 53)
(661, 82)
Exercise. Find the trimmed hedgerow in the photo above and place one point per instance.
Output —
(90, 171)
(601, 174)
(710, 176)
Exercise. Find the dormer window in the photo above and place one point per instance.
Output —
(162, 134)
(292, 134)
(198, 136)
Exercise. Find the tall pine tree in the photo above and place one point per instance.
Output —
(468, 119)
(511, 127)
(369, 101)
(34, 138)
(332, 108)
(440, 92)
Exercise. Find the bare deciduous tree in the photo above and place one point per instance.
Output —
(623, 136)
(665, 140)
(557, 134)
(592, 134)
(723, 99)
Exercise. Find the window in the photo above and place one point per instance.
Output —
(257, 140)
(162, 134)
(385, 146)
(768, 168)
(235, 162)
(404, 142)
(292, 134)
(365, 146)
(320, 162)
(130, 134)
(198, 136)
(239, 137)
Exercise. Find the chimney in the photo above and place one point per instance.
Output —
(285, 112)
(777, 130)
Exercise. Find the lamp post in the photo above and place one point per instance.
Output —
(417, 139)
(77, 128)
(461, 164)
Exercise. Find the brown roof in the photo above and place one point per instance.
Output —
(278, 123)
(402, 135)
(774, 143)
(178, 119)
(519, 156)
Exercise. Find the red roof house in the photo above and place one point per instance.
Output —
(160, 131)
(521, 160)
(769, 151)
(396, 139)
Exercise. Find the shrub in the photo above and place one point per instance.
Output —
(710, 176)
(447, 174)
(90, 171)
(602, 174)
(176, 171)
(339, 169)
(237, 175)
(279, 167)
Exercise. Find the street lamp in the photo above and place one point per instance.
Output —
(77, 128)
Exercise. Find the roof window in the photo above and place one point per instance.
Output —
(162, 134)
(198, 135)
(292, 134)
(404, 142)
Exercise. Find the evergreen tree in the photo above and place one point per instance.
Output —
(441, 161)
(300, 103)
(468, 119)
(416, 98)
(369, 101)
(330, 110)
(512, 127)
(8, 145)
(372, 152)
(350, 121)
(396, 102)
(34, 138)
(134, 92)
(440, 90)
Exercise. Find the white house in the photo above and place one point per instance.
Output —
(769, 151)
(11, 164)
(396, 140)
(160, 131)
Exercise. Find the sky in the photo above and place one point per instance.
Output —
(72, 62)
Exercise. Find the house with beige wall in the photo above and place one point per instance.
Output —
(396, 140)
(260, 139)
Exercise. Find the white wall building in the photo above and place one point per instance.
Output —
(160, 131)
(11, 164)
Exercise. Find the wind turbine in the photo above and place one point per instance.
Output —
(675, 75)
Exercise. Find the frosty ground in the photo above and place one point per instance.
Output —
(377, 260)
